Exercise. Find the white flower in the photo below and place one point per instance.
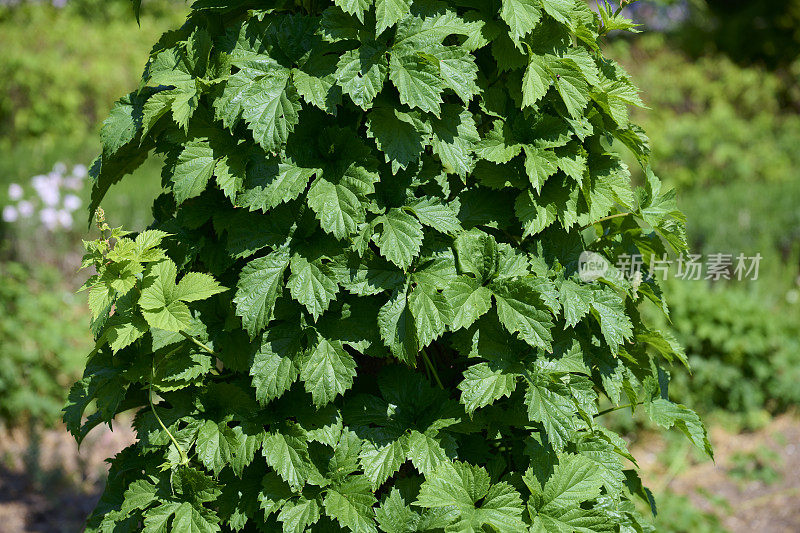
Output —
(55, 177)
(80, 171)
(73, 183)
(47, 188)
(15, 191)
(71, 202)
(49, 218)
(25, 209)
(60, 168)
(10, 213)
(64, 218)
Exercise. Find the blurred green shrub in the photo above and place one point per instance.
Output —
(747, 31)
(60, 74)
(744, 349)
(712, 121)
(43, 343)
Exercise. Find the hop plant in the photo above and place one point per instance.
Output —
(360, 304)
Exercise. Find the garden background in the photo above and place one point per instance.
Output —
(721, 79)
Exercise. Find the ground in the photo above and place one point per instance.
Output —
(49, 486)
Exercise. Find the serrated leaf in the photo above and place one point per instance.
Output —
(536, 81)
(274, 367)
(397, 328)
(338, 208)
(521, 310)
(351, 505)
(312, 284)
(469, 300)
(194, 170)
(380, 461)
(327, 371)
(362, 72)
(400, 238)
(417, 81)
(522, 16)
(454, 138)
(389, 12)
(396, 136)
(434, 214)
(260, 284)
(484, 385)
(431, 312)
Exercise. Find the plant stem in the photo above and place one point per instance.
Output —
(605, 218)
(617, 408)
(432, 368)
(198, 343)
(184, 457)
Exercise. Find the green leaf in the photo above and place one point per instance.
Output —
(575, 480)
(354, 7)
(288, 456)
(381, 461)
(190, 519)
(262, 93)
(667, 414)
(193, 171)
(361, 73)
(475, 502)
(469, 300)
(312, 284)
(425, 452)
(521, 310)
(297, 516)
(260, 284)
(389, 12)
(483, 385)
(269, 184)
(497, 146)
(454, 138)
(274, 367)
(195, 286)
(396, 136)
(550, 405)
(327, 371)
(432, 213)
(522, 16)
(561, 10)
(351, 505)
(536, 81)
(315, 81)
(215, 446)
(397, 328)
(417, 81)
(338, 208)
(394, 516)
(431, 312)
(616, 326)
(400, 238)
(477, 254)
(577, 301)
(571, 85)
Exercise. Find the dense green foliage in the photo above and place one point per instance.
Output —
(358, 305)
